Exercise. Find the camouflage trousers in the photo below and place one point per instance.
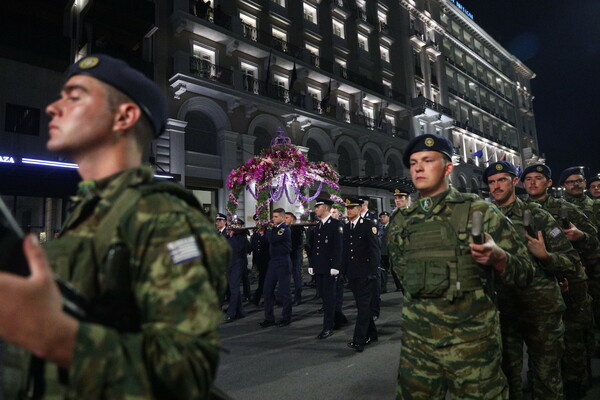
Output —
(543, 334)
(594, 292)
(578, 327)
(469, 370)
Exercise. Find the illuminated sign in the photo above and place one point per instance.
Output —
(7, 160)
(462, 8)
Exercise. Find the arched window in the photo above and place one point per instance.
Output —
(263, 139)
(370, 165)
(315, 153)
(393, 169)
(200, 133)
(344, 162)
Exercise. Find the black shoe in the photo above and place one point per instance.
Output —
(357, 347)
(371, 340)
(375, 318)
(325, 334)
(283, 322)
(228, 319)
(266, 323)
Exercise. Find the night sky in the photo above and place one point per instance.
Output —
(560, 42)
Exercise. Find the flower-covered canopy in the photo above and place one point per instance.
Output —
(278, 170)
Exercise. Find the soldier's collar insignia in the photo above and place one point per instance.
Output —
(499, 167)
(425, 204)
(88, 62)
(429, 142)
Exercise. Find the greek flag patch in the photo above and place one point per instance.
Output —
(183, 250)
(555, 232)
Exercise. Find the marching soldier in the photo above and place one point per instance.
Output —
(401, 199)
(325, 261)
(368, 215)
(384, 265)
(260, 259)
(221, 224)
(532, 314)
(451, 333)
(360, 265)
(278, 273)
(238, 262)
(296, 255)
(578, 316)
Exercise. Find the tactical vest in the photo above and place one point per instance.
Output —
(438, 261)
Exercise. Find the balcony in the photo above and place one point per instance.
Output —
(431, 111)
(433, 49)
(204, 69)
(417, 38)
(340, 8)
(249, 32)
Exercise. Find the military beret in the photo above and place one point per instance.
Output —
(221, 216)
(541, 168)
(595, 178)
(571, 171)
(353, 202)
(118, 74)
(400, 192)
(499, 167)
(319, 201)
(387, 214)
(428, 142)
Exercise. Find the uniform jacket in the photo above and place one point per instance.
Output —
(326, 242)
(361, 255)
(297, 241)
(474, 316)
(174, 265)
(239, 249)
(259, 248)
(280, 242)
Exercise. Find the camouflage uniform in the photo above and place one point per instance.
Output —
(173, 286)
(534, 314)
(452, 342)
(578, 316)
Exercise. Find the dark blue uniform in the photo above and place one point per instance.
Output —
(385, 261)
(326, 254)
(376, 297)
(296, 256)
(280, 265)
(360, 265)
(239, 247)
(260, 259)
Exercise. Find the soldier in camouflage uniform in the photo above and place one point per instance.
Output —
(578, 316)
(532, 314)
(148, 261)
(451, 339)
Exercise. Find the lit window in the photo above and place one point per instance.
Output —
(279, 39)
(249, 26)
(281, 80)
(363, 42)
(314, 54)
(314, 92)
(203, 61)
(250, 77)
(338, 28)
(385, 53)
(279, 2)
(341, 62)
(382, 16)
(310, 13)
(386, 83)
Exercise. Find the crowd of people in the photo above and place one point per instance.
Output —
(480, 279)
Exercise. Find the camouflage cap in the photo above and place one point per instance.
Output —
(540, 168)
(428, 142)
(118, 74)
(571, 171)
(498, 168)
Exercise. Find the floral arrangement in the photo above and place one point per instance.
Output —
(280, 170)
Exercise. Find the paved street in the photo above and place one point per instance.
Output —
(290, 363)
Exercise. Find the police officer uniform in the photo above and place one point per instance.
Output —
(376, 296)
(260, 260)
(278, 273)
(222, 217)
(326, 254)
(384, 265)
(360, 265)
(237, 264)
(296, 257)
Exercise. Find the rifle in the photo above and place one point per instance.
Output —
(563, 216)
(479, 238)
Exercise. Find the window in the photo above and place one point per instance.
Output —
(22, 119)
(249, 26)
(203, 61)
(386, 83)
(281, 82)
(344, 104)
(341, 62)
(369, 116)
(279, 2)
(279, 39)
(310, 12)
(385, 53)
(338, 28)
(314, 92)
(314, 54)
(250, 77)
(382, 20)
(363, 42)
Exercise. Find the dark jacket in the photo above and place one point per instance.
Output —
(326, 246)
(280, 242)
(361, 250)
(259, 247)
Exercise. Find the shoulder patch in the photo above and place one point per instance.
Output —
(280, 232)
(374, 230)
(555, 232)
(183, 250)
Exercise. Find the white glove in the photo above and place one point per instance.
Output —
(334, 272)
(311, 271)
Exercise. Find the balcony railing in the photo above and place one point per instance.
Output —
(315, 60)
(420, 103)
(205, 69)
(383, 27)
(253, 85)
(249, 32)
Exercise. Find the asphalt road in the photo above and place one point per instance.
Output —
(290, 363)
